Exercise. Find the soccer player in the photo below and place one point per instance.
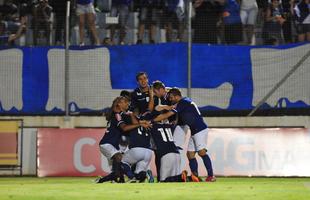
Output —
(189, 114)
(139, 153)
(170, 159)
(161, 92)
(142, 97)
(109, 144)
(142, 102)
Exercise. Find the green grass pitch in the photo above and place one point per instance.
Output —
(27, 188)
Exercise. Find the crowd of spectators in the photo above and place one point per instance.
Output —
(213, 21)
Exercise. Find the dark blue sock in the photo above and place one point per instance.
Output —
(194, 166)
(207, 161)
(127, 170)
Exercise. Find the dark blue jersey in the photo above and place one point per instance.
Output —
(140, 100)
(165, 101)
(84, 2)
(113, 133)
(163, 139)
(138, 137)
(189, 114)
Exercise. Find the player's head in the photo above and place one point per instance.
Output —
(174, 95)
(159, 89)
(142, 79)
(120, 104)
(127, 94)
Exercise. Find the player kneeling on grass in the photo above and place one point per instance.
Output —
(170, 159)
(109, 144)
(189, 114)
(139, 153)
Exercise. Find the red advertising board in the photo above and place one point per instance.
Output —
(69, 152)
(235, 152)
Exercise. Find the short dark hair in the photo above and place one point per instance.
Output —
(158, 84)
(175, 92)
(125, 93)
(140, 74)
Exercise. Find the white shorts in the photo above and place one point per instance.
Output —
(139, 156)
(123, 149)
(84, 9)
(248, 17)
(170, 165)
(198, 141)
(108, 150)
(179, 134)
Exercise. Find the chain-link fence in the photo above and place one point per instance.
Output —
(108, 22)
(225, 54)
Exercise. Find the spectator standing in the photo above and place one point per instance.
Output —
(302, 15)
(248, 13)
(232, 22)
(273, 22)
(59, 8)
(10, 16)
(9, 38)
(287, 25)
(85, 9)
(206, 19)
(120, 8)
(42, 20)
(149, 13)
(174, 14)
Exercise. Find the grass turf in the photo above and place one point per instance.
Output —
(27, 188)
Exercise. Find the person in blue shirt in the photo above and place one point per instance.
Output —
(142, 97)
(109, 144)
(232, 22)
(301, 12)
(189, 114)
(168, 153)
(139, 153)
(174, 14)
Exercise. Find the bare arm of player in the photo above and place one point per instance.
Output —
(163, 116)
(129, 127)
(133, 117)
(145, 124)
(163, 107)
(135, 123)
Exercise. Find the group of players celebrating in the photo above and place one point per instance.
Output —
(153, 118)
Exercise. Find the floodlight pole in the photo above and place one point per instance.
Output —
(189, 49)
(67, 59)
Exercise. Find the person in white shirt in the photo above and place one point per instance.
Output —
(248, 14)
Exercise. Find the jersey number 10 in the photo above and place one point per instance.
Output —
(166, 134)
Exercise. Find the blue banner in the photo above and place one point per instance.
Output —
(223, 77)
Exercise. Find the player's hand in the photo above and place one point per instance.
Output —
(173, 106)
(145, 124)
(129, 113)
